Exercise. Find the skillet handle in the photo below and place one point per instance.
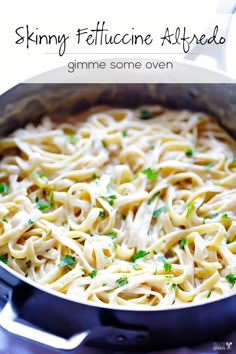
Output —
(8, 321)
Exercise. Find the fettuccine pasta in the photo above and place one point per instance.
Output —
(135, 208)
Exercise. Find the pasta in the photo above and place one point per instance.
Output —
(131, 208)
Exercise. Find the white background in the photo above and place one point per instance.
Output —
(59, 16)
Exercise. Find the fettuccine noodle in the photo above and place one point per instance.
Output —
(135, 208)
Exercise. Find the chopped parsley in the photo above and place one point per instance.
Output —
(43, 206)
(204, 219)
(183, 242)
(93, 273)
(4, 259)
(71, 138)
(189, 207)
(150, 173)
(40, 174)
(153, 146)
(189, 152)
(124, 217)
(139, 254)
(167, 266)
(231, 278)
(30, 222)
(94, 176)
(122, 281)
(124, 133)
(3, 187)
(155, 195)
(112, 234)
(5, 220)
(51, 196)
(102, 214)
(103, 143)
(154, 252)
(146, 114)
(157, 212)
(209, 294)
(208, 165)
(234, 159)
(225, 216)
(67, 261)
(174, 286)
(214, 216)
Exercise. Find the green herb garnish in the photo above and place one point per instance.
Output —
(67, 261)
(124, 217)
(94, 176)
(93, 273)
(139, 254)
(183, 242)
(157, 212)
(150, 173)
(174, 286)
(124, 133)
(43, 206)
(214, 216)
(208, 165)
(30, 222)
(102, 214)
(167, 266)
(5, 220)
(122, 281)
(3, 187)
(51, 196)
(112, 235)
(4, 259)
(153, 197)
(189, 207)
(146, 114)
(209, 294)
(103, 143)
(189, 152)
(225, 216)
(72, 138)
(231, 278)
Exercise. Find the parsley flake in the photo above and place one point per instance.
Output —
(122, 281)
(93, 273)
(150, 173)
(158, 212)
(102, 214)
(43, 206)
(183, 242)
(146, 114)
(124, 133)
(155, 195)
(208, 165)
(225, 216)
(4, 259)
(209, 294)
(214, 216)
(139, 254)
(231, 278)
(5, 220)
(167, 266)
(189, 207)
(3, 187)
(189, 152)
(30, 222)
(66, 261)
